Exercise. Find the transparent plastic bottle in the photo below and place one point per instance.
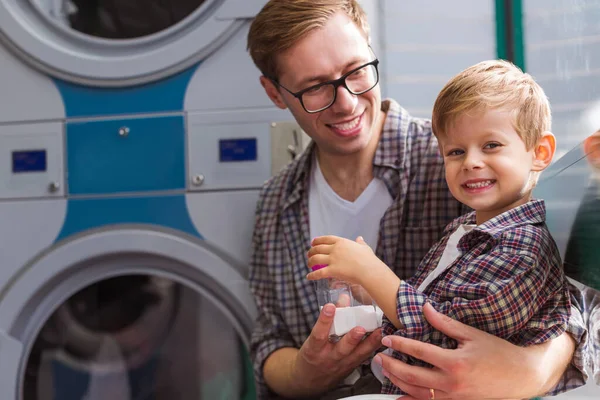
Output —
(354, 306)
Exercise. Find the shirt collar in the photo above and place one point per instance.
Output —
(389, 148)
(532, 212)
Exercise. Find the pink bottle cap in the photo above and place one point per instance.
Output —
(318, 267)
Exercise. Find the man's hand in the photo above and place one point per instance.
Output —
(482, 367)
(320, 365)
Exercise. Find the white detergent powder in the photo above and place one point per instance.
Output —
(346, 318)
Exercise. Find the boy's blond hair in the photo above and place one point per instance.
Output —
(281, 23)
(495, 84)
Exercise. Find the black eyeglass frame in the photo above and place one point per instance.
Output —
(341, 81)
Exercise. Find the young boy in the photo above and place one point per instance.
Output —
(498, 268)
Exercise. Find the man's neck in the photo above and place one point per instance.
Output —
(349, 175)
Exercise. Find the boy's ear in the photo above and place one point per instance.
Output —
(544, 151)
(272, 92)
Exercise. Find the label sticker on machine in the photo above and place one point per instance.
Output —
(231, 150)
(28, 161)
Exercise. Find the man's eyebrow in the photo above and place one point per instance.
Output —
(323, 78)
(313, 79)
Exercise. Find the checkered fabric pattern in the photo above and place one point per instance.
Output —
(508, 281)
(407, 160)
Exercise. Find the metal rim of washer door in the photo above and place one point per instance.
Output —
(76, 57)
(30, 298)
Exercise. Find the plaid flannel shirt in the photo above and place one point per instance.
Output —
(507, 281)
(407, 160)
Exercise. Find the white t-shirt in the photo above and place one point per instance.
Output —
(329, 214)
(450, 254)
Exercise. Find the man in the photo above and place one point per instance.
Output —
(372, 170)
(582, 258)
(583, 253)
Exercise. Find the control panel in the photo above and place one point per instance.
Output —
(242, 152)
(31, 156)
(227, 155)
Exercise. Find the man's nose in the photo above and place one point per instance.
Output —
(345, 102)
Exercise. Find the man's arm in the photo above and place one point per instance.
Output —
(318, 365)
(270, 334)
(281, 367)
(480, 367)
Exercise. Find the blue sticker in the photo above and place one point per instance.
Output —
(28, 161)
(231, 150)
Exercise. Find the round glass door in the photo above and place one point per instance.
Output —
(117, 19)
(115, 43)
(138, 337)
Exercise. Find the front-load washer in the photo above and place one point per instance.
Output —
(133, 143)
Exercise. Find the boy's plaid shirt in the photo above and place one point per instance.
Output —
(507, 281)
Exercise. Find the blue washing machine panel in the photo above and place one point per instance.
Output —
(126, 155)
(168, 210)
(160, 96)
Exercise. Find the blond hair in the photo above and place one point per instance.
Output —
(281, 23)
(495, 84)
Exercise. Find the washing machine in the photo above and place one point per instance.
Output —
(134, 139)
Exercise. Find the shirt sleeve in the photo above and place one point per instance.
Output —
(581, 311)
(510, 295)
(269, 332)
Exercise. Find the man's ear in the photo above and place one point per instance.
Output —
(544, 151)
(273, 92)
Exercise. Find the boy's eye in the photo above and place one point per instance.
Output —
(491, 145)
(455, 152)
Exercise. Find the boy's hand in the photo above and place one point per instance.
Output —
(345, 259)
(356, 263)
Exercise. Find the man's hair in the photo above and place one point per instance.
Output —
(281, 23)
(495, 84)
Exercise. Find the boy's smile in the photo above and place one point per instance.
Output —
(488, 167)
(478, 185)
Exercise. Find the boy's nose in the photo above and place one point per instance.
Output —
(472, 161)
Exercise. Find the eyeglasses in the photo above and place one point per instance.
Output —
(320, 97)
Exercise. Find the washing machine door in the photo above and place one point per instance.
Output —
(129, 313)
(119, 42)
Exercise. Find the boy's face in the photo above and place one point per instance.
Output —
(488, 167)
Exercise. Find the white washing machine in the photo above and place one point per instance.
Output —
(133, 142)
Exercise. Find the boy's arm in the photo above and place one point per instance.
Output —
(509, 295)
(382, 284)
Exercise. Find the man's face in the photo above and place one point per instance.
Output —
(346, 127)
